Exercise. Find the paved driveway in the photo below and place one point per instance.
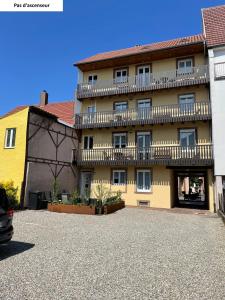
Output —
(132, 254)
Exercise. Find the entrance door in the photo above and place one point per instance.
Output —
(143, 76)
(85, 184)
(191, 190)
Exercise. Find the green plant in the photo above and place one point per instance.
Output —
(118, 196)
(75, 197)
(55, 191)
(102, 193)
(11, 192)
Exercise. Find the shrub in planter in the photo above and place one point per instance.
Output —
(11, 192)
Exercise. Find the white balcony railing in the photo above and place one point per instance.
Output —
(139, 83)
(153, 115)
(194, 155)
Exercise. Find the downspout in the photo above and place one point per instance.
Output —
(24, 183)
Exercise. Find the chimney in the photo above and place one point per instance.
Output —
(43, 98)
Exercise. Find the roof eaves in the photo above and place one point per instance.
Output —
(132, 54)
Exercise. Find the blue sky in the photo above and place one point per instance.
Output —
(38, 50)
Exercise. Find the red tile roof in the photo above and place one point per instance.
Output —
(214, 25)
(145, 48)
(15, 110)
(62, 110)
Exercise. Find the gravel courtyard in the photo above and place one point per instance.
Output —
(132, 254)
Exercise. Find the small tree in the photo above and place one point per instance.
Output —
(55, 191)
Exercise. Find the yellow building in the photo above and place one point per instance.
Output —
(145, 124)
(13, 137)
(36, 146)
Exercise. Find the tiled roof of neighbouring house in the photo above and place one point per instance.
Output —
(214, 25)
(145, 48)
(62, 110)
(15, 110)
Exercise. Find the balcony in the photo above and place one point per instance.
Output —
(199, 155)
(198, 111)
(139, 83)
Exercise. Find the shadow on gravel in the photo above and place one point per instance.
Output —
(13, 248)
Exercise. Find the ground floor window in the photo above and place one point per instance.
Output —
(119, 177)
(143, 181)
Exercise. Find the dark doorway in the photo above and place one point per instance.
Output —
(191, 189)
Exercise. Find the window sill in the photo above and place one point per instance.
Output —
(9, 147)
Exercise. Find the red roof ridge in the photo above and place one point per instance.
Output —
(213, 7)
(97, 57)
(14, 111)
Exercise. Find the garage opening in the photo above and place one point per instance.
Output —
(191, 190)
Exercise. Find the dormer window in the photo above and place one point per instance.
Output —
(92, 79)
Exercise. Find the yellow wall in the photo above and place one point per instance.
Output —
(157, 66)
(13, 160)
(166, 134)
(160, 195)
(163, 190)
(163, 97)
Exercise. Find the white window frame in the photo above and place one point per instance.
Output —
(185, 70)
(188, 130)
(119, 177)
(120, 103)
(150, 179)
(91, 109)
(92, 81)
(219, 71)
(141, 133)
(120, 143)
(88, 142)
(186, 106)
(11, 132)
(144, 101)
(143, 67)
(121, 79)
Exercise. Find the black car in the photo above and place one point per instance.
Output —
(6, 216)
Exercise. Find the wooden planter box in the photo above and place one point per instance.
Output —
(85, 209)
(108, 209)
(72, 209)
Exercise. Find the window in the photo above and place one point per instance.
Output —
(144, 104)
(219, 70)
(121, 75)
(185, 66)
(144, 108)
(10, 138)
(143, 70)
(143, 181)
(119, 140)
(88, 142)
(92, 79)
(143, 140)
(186, 102)
(119, 177)
(91, 109)
(120, 106)
(143, 75)
(187, 137)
